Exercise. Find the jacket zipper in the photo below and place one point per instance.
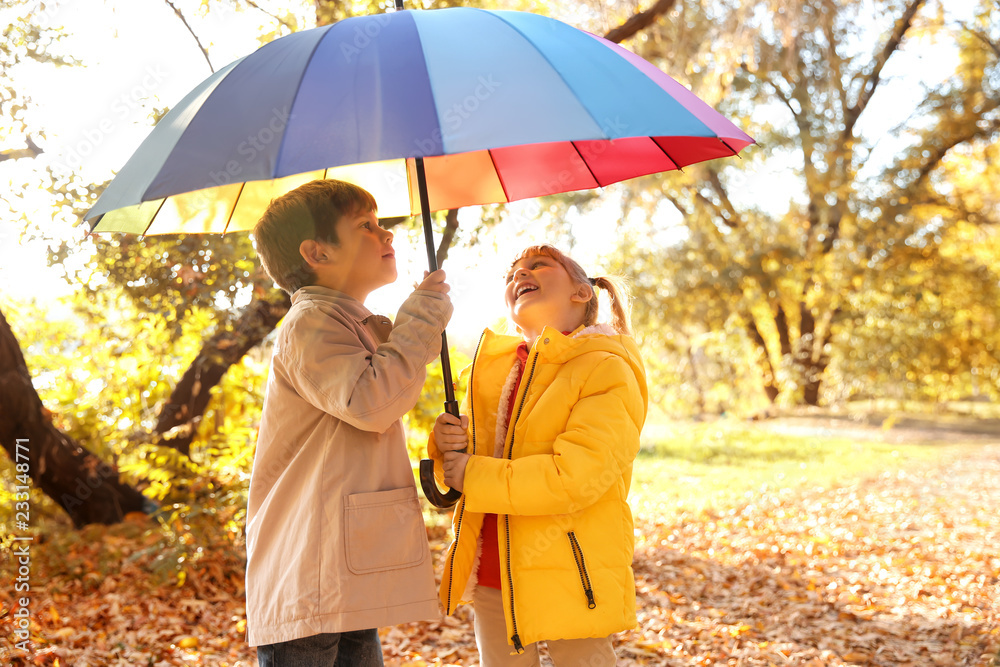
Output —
(461, 507)
(516, 638)
(581, 566)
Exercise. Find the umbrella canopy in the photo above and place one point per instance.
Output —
(500, 105)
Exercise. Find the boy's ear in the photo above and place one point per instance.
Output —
(583, 294)
(313, 252)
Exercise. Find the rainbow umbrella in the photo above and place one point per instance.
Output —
(500, 105)
(428, 110)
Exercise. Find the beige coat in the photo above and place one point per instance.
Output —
(335, 537)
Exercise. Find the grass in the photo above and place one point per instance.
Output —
(696, 466)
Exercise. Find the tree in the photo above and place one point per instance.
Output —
(793, 279)
(85, 487)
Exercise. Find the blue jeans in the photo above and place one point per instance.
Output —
(360, 648)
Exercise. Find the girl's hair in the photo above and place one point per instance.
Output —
(616, 288)
(310, 211)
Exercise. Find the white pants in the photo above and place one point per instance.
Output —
(494, 651)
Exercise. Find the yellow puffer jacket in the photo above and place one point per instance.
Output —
(559, 485)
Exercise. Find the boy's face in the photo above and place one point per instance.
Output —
(540, 293)
(364, 259)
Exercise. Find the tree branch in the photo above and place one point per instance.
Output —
(943, 148)
(450, 227)
(204, 51)
(985, 39)
(180, 415)
(715, 209)
(32, 151)
(871, 82)
(277, 18)
(720, 190)
(639, 21)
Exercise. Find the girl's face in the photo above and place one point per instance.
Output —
(541, 293)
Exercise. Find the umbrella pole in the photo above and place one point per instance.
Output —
(427, 483)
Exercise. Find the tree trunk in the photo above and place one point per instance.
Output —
(770, 379)
(813, 361)
(84, 486)
(180, 416)
(806, 352)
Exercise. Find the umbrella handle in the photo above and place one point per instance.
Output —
(434, 495)
(427, 483)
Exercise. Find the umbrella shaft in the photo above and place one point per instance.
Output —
(450, 404)
(425, 215)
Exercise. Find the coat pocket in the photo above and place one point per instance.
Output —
(384, 530)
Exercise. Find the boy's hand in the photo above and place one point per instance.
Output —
(454, 469)
(451, 433)
(434, 282)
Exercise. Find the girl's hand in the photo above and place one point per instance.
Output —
(451, 433)
(454, 469)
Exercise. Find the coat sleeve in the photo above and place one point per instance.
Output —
(601, 438)
(330, 367)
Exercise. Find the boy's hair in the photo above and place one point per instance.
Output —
(616, 288)
(309, 212)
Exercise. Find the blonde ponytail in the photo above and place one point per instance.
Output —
(620, 299)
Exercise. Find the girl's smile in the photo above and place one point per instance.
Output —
(521, 289)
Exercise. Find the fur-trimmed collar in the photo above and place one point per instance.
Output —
(600, 328)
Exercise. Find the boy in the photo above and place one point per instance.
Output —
(336, 545)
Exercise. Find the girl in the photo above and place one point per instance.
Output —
(543, 535)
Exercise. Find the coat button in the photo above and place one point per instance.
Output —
(546, 341)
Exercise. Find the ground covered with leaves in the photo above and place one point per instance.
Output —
(900, 569)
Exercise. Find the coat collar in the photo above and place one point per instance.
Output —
(553, 345)
(379, 325)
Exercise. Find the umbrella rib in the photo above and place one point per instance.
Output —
(735, 152)
(503, 186)
(153, 217)
(664, 151)
(585, 164)
(232, 211)
(94, 224)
